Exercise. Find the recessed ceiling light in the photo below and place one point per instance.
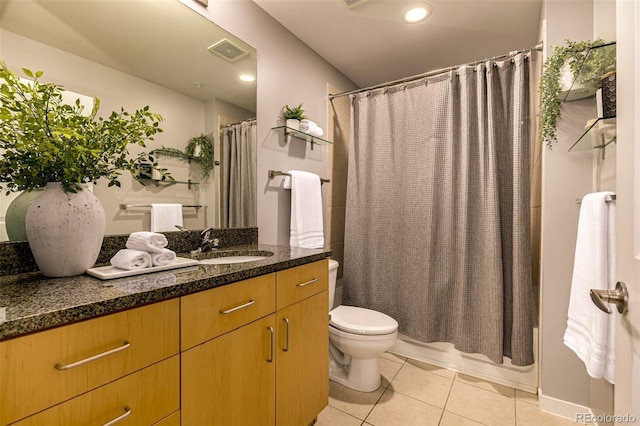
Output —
(417, 13)
(247, 77)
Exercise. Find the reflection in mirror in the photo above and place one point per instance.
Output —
(162, 54)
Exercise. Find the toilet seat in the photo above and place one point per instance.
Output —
(352, 319)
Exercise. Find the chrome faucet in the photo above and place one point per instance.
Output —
(207, 243)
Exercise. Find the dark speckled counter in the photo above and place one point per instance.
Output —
(30, 302)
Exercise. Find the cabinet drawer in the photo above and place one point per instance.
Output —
(210, 313)
(304, 281)
(142, 398)
(46, 368)
(172, 420)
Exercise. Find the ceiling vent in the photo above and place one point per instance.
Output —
(353, 3)
(228, 50)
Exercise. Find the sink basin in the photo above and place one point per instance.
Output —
(231, 259)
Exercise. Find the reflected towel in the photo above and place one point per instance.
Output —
(131, 259)
(165, 216)
(165, 258)
(151, 242)
(307, 229)
(590, 332)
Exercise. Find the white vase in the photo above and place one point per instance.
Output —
(16, 212)
(292, 123)
(65, 230)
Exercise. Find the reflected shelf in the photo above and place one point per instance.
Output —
(166, 182)
(314, 140)
(599, 134)
(176, 153)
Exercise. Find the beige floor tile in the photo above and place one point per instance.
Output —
(358, 404)
(388, 370)
(422, 385)
(450, 419)
(394, 357)
(529, 415)
(331, 416)
(444, 372)
(481, 405)
(486, 385)
(523, 396)
(395, 409)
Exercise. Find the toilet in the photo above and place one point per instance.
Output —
(357, 336)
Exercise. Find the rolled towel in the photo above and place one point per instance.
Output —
(316, 132)
(151, 242)
(307, 126)
(131, 259)
(165, 258)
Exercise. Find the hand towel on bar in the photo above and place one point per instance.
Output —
(590, 332)
(131, 259)
(165, 216)
(151, 242)
(165, 258)
(307, 229)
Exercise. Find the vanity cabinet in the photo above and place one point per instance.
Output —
(40, 370)
(260, 365)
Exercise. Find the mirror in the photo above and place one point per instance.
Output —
(136, 53)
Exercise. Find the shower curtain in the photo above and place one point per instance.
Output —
(238, 175)
(437, 216)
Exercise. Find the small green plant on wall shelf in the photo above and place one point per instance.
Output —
(293, 115)
(582, 56)
(202, 148)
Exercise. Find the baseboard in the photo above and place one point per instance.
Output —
(558, 407)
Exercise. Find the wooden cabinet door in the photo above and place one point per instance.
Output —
(229, 380)
(302, 361)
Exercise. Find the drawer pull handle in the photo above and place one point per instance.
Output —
(315, 280)
(286, 339)
(273, 344)
(121, 417)
(62, 367)
(245, 305)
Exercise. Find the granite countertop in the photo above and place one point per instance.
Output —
(30, 302)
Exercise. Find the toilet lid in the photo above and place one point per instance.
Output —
(356, 320)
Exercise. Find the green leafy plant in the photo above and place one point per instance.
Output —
(580, 56)
(45, 140)
(293, 113)
(205, 144)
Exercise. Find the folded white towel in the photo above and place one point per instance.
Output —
(307, 126)
(590, 332)
(307, 229)
(151, 242)
(131, 259)
(165, 258)
(165, 217)
(316, 132)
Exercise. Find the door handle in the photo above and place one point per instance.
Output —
(619, 297)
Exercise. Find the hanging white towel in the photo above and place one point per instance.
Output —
(590, 332)
(151, 242)
(131, 259)
(165, 217)
(307, 229)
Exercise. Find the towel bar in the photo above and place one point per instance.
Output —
(612, 198)
(274, 173)
(125, 206)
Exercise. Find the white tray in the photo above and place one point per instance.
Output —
(110, 272)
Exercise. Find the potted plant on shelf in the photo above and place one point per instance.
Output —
(201, 147)
(48, 144)
(585, 63)
(292, 116)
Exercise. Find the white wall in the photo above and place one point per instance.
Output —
(567, 176)
(289, 72)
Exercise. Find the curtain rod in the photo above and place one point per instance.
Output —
(432, 73)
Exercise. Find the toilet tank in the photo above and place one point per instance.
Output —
(333, 277)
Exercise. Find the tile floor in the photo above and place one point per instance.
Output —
(414, 393)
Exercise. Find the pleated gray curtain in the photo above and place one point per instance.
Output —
(437, 215)
(238, 175)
